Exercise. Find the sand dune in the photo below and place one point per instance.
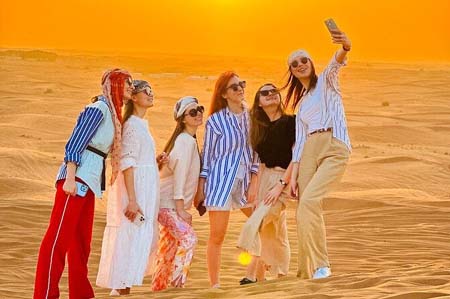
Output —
(388, 222)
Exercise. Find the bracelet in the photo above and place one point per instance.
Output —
(346, 49)
(283, 183)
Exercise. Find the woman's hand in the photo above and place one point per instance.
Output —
(293, 186)
(162, 159)
(200, 195)
(132, 210)
(185, 215)
(252, 189)
(273, 195)
(294, 190)
(339, 37)
(70, 187)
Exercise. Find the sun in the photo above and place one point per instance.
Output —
(244, 258)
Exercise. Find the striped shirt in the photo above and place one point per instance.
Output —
(226, 144)
(321, 108)
(93, 127)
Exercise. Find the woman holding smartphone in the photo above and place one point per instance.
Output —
(80, 179)
(131, 231)
(321, 150)
(228, 177)
(264, 234)
(179, 180)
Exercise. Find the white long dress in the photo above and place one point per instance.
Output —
(128, 250)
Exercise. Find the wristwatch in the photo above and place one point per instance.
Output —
(346, 49)
(282, 182)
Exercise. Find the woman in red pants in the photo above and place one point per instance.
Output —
(80, 179)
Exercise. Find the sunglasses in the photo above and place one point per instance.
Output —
(129, 81)
(195, 111)
(295, 63)
(268, 91)
(147, 90)
(235, 86)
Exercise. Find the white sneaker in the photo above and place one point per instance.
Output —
(114, 293)
(322, 272)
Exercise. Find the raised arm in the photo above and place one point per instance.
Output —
(338, 60)
(341, 38)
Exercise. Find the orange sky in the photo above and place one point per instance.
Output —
(384, 30)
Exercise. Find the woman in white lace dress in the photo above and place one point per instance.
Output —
(128, 245)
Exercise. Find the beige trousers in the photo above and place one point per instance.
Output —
(322, 164)
(265, 232)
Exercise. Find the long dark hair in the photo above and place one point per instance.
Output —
(177, 131)
(296, 89)
(259, 119)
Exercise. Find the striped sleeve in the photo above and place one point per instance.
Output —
(332, 71)
(300, 138)
(208, 149)
(255, 163)
(85, 128)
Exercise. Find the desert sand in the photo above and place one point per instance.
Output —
(388, 222)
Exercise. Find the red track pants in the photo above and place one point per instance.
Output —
(69, 232)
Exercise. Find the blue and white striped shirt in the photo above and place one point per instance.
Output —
(94, 127)
(321, 108)
(226, 144)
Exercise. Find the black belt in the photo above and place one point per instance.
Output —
(320, 131)
(103, 155)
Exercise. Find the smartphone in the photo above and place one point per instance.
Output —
(331, 25)
(82, 189)
(139, 220)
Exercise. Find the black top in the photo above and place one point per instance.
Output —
(276, 147)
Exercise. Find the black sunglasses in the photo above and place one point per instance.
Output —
(268, 91)
(193, 112)
(295, 63)
(235, 86)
